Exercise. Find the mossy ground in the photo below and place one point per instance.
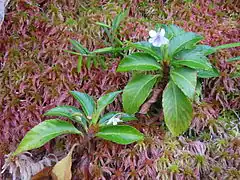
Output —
(36, 75)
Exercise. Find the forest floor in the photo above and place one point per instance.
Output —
(36, 74)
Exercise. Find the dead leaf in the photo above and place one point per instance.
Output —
(44, 174)
(62, 170)
(155, 95)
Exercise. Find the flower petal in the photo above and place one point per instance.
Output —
(119, 120)
(109, 122)
(152, 33)
(157, 43)
(151, 40)
(162, 32)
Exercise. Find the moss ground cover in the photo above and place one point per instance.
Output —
(36, 75)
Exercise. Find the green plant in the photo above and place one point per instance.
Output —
(92, 123)
(236, 73)
(112, 31)
(172, 61)
(114, 45)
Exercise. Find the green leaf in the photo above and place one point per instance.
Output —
(44, 132)
(195, 60)
(86, 101)
(102, 102)
(235, 75)
(70, 112)
(138, 61)
(204, 49)
(128, 117)
(123, 116)
(120, 134)
(108, 50)
(79, 64)
(185, 79)
(78, 47)
(105, 100)
(89, 62)
(117, 20)
(80, 118)
(102, 62)
(172, 31)
(209, 73)
(109, 34)
(182, 41)
(231, 45)
(176, 30)
(106, 117)
(137, 91)
(103, 24)
(177, 109)
(64, 111)
(234, 59)
(147, 48)
(198, 92)
(95, 62)
(75, 53)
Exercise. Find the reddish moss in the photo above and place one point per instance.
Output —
(36, 74)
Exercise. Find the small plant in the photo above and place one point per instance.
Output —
(92, 123)
(114, 44)
(170, 62)
(236, 73)
(112, 31)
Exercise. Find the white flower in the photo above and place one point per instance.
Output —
(157, 38)
(114, 120)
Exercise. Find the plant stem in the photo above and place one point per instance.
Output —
(166, 70)
(157, 91)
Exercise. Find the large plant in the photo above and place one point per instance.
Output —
(171, 61)
(92, 121)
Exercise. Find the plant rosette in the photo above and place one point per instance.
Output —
(88, 117)
(173, 60)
